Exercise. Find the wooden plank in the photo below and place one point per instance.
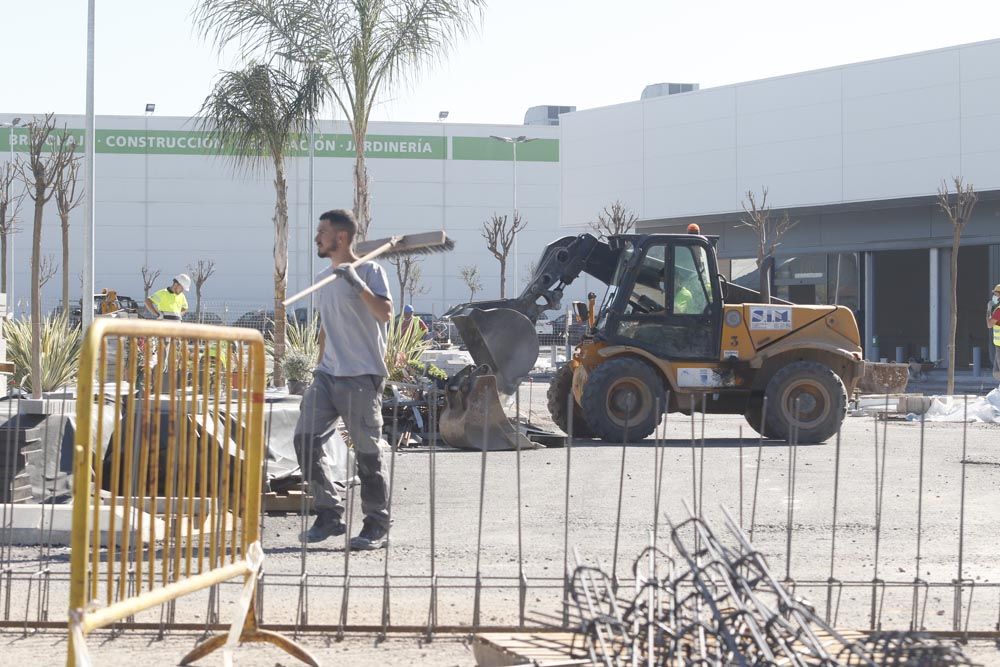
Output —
(566, 649)
(290, 502)
(544, 649)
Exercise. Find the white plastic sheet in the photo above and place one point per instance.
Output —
(949, 409)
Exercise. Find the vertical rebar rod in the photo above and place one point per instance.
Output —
(879, 486)
(793, 448)
(570, 405)
(479, 528)
(756, 478)
(701, 457)
(345, 600)
(621, 489)
(957, 615)
(432, 482)
(741, 474)
(833, 526)
(522, 589)
(394, 445)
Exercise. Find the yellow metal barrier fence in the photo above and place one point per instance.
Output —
(177, 495)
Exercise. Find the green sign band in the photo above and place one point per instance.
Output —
(416, 147)
(487, 148)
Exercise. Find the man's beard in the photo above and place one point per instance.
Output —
(326, 253)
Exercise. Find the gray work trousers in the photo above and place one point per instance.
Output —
(996, 362)
(358, 400)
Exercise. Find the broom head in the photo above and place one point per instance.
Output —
(409, 244)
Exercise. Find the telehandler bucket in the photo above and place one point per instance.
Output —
(502, 339)
(473, 417)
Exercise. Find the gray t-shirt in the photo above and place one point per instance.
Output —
(354, 340)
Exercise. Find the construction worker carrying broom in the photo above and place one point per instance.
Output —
(354, 312)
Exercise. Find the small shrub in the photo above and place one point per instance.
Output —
(297, 366)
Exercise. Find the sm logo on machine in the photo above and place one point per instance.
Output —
(768, 317)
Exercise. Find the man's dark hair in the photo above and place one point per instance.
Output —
(342, 220)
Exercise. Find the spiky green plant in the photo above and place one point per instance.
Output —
(60, 347)
(403, 347)
(301, 339)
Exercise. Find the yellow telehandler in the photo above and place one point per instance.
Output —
(671, 332)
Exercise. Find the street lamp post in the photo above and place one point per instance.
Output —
(87, 298)
(150, 108)
(310, 213)
(15, 122)
(514, 141)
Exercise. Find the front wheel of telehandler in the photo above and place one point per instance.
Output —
(623, 398)
(806, 402)
(558, 400)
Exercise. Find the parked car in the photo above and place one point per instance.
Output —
(205, 318)
(107, 303)
(263, 320)
(576, 329)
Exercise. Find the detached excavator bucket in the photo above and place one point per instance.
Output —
(503, 340)
(473, 417)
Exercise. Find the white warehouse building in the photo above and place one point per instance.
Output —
(165, 200)
(855, 154)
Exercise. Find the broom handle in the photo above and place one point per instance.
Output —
(333, 276)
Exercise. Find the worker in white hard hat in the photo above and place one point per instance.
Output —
(170, 303)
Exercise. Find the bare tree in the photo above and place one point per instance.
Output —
(769, 234)
(47, 269)
(10, 208)
(201, 271)
(470, 276)
(957, 207)
(499, 237)
(415, 287)
(614, 219)
(149, 278)
(68, 197)
(407, 276)
(47, 157)
(529, 270)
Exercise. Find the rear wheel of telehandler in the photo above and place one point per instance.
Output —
(558, 397)
(808, 397)
(623, 391)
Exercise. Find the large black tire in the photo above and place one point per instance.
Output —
(822, 402)
(558, 398)
(753, 414)
(606, 392)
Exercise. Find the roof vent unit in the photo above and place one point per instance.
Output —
(547, 114)
(664, 89)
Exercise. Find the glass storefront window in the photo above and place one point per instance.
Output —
(819, 279)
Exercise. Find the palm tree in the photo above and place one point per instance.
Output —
(366, 46)
(252, 114)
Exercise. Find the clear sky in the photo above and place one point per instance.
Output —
(585, 53)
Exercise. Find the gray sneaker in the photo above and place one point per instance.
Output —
(326, 525)
(372, 536)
